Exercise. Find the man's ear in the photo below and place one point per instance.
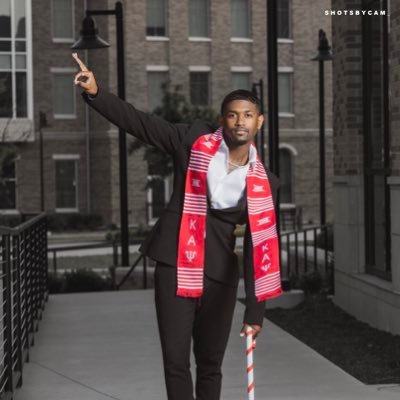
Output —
(260, 120)
(220, 119)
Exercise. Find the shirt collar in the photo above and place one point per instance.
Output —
(252, 151)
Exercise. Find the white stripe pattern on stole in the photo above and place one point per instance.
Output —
(199, 161)
(259, 205)
(195, 204)
(265, 234)
(192, 271)
(268, 283)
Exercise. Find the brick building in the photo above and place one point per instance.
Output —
(208, 47)
(366, 70)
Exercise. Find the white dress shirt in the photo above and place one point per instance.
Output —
(226, 189)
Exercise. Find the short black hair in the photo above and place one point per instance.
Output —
(241, 94)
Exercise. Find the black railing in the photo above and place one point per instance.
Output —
(23, 260)
(115, 260)
(308, 250)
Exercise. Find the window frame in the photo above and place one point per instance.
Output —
(151, 220)
(56, 39)
(201, 38)
(54, 71)
(149, 70)
(160, 38)
(289, 71)
(248, 38)
(288, 39)
(200, 69)
(15, 180)
(28, 70)
(67, 157)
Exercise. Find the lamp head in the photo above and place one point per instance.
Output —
(89, 36)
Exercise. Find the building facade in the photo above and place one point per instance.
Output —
(366, 70)
(208, 47)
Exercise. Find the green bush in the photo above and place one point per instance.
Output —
(329, 239)
(10, 221)
(311, 282)
(78, 280)
(84, 280)
(73, 222)
(137, 233)
(55, 283)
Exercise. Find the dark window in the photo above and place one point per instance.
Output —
(198, 18)
(376, 141)
(284, 19)
(285, 88)
(241, 80)
(66, 195)
(155, 80)
(240, 18)
(285, 176)
(7, 181)
(199, 88)
(156, 18)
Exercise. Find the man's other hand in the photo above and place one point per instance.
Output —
(256, 331)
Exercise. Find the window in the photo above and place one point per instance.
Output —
(66, 182)
(63, 20)
(240, 18)
(377, 138)
(241, 80)
(157, 196)
(198, 18)
(285, 176)
(63, 93)
(7, 182)
(285, 92)
(199, 88)
(284, 19)
(156, 17)
(13, 60)
(155, 80)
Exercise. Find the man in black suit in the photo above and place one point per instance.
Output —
(207, 318)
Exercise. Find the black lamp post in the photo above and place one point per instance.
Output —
(90, 40)
(323, 55)
(259, 86)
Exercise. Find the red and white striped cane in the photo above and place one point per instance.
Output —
(250, 365)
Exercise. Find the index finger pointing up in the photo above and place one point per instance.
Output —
(78, 60)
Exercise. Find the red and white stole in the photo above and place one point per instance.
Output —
(261, 212)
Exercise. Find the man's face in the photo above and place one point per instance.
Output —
(240, 121)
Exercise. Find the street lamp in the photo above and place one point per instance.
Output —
(323, 55)
(260, 86)
(90, 40)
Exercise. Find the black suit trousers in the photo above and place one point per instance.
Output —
(206, 320)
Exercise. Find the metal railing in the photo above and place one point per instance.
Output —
(115, 245)
(23, 260)
(307, 250)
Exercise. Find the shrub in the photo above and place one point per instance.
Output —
(73, 222)
(55, 283)
(85, 280)
(329, 239)
(140, 232)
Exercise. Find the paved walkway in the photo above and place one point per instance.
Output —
(99, 346)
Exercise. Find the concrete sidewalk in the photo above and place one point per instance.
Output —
(98, 346)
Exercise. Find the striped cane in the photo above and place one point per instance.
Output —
(250, 364)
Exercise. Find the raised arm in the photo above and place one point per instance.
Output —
(147, 128)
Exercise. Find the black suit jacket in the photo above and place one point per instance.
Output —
(161, 245)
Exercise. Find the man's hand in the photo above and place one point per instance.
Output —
(256, 330)
(85, 78)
